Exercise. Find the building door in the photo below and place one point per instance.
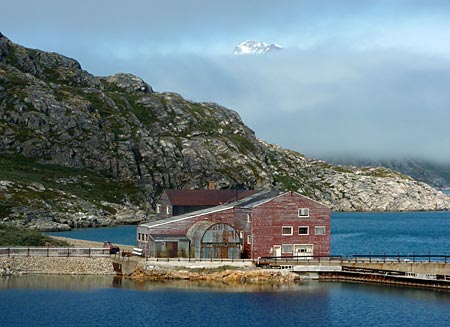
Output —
(224, 252)
(277, 250)
(172, 249)
(303, 250)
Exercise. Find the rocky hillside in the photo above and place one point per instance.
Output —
(434, 173)
(82, 150)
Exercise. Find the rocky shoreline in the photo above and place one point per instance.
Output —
(227, 276)
(222, 273)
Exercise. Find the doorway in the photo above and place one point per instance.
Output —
(277, 250)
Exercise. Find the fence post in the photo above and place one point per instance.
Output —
(89, 251)
(68, 253)
(9, 251)
(47, 252)
(28, 252)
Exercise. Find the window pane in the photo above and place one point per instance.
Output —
(287, 230)
(286, 248)
(319, 230)
(303, 231)
(303, 212)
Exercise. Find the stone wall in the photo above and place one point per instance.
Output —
(55, 265)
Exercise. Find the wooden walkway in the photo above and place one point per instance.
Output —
(428, 271)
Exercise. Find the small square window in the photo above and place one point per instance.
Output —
(286, 248)
(303, 230)
(249, 239)
(286, 230)
(320, 230)
(303, 212)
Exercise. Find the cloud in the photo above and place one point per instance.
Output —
(356, 77)
(324, 101)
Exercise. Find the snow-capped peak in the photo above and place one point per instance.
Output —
(255, 47)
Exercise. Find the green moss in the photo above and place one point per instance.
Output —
(11, 57)
(93, 186)
(5, 210)
(342, 169)
(243, 143)
(14, 236)
(287, 183)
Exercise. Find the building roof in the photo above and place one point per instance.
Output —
(247, 202)
(206, 197)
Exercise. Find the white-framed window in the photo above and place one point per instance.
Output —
(241, 234)
(303, 212)
(286, 230)
(249, 218)
(158, 208)
(249, 239)
(320, 230)
(303, 230)
(167, 210)
(139, 236)
(286, 248)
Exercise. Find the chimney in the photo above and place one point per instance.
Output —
(211, 185)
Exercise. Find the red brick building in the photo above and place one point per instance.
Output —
(263, 224)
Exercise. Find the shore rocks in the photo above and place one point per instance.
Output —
(211, 272)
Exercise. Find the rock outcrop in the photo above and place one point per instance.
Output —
(54, 112)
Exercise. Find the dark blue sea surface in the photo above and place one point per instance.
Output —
(59, 301)
(390, 233)
(351, 233)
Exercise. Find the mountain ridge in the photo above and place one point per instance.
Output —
(58, 115)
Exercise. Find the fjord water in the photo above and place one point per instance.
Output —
(101, 301)
(105, 301)
(351, 233)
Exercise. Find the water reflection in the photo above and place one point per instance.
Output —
(77, 282)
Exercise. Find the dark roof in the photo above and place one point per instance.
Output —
(206, 197)
(247, 202)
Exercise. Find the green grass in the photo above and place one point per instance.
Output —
(15, 236)
(87, 184)
(287, 183)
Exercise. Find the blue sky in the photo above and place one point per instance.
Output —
(356, 77)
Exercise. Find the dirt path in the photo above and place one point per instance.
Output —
(89, 244)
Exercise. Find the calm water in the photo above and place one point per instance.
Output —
(351, 233)
(98, 301)
(103, 301)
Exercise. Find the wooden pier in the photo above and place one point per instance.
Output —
(428, 271)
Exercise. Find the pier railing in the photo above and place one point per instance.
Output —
(53, 252)
(356, 258)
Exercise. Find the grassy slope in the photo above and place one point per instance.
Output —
(86, 184)
(14, 236)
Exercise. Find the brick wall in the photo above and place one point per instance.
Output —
(269, 218)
